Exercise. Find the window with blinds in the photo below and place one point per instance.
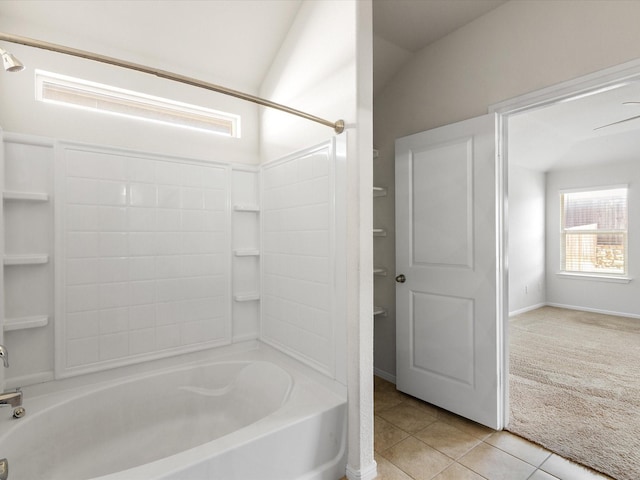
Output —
(75, 92)
(594, 231)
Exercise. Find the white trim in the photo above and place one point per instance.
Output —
(565, 91)
(594, 277)
(384, 375)
(594, 310)
(527, 309)
(368, 473)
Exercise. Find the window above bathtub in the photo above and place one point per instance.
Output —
(83, 94)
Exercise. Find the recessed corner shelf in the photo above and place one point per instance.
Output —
(23, 323)
(379, 311)
(379, 232)
(380, 271)
(242, 207)
(246, 252)
(26, 196)
(30, 259)
(247, 297)
(379, 191)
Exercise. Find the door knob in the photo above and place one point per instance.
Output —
(401, 278)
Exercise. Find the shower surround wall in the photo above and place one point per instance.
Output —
(143, 258)
(156, 256)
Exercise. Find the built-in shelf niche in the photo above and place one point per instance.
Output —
(380, 271)
(23, 323)
(246, 297)
(246, 252)
(379, 191)
(245, 207)
(25, 196)
(30, 259)
(379, 311)
(379, 232)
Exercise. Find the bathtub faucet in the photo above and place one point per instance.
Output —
(4, 355)
(13, 399)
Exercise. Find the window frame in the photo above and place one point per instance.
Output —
(121, 100)
(605, 275)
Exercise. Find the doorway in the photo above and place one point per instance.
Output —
(577, 136)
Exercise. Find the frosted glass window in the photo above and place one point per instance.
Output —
(75, 92)
(594, 231)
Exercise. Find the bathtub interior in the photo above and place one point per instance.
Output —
(195, 417)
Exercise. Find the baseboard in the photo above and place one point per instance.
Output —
(384, 375)
(368, 473)
(526, 309)
(594, 310)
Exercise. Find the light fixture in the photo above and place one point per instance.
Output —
(11, 63)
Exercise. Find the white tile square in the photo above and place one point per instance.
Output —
(143, 195)
(82, 218)
(142, 316)
(82, 297)
(114, 320)
(192, 175)
(82, 271)
(82, 325)
(142, 244)
(168, 266)
(112, 219)
(142, 341)
(142, 268)
(113, 269)
(114, 346)
(169, 196)
(112, 166)
(194, 332)
(142, 293)
(81, 191)
(170, 290)
(114, 244)
(141, 219)
(193, 220)
(168, 313)
(168, 243)
(83, 351)
(82, 164)
(168, 220)
(168, 173)
(167, 336)
(216, 199)
(192, 198)
(112, 193)
(114, 295)
(141, 170)
(215, 177)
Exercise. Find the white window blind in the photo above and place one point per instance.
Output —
(75, 92)
(594, 231)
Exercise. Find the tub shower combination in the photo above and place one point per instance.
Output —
(162, 365)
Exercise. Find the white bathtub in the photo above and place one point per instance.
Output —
(249, 415)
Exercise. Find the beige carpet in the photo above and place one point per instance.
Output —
(575, 387)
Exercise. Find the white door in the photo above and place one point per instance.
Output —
(449, 348)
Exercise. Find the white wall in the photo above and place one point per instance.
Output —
(325, 67)
(526, 238)
(589, 294)
(517, 48)
(20, 111)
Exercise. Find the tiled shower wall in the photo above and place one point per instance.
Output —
(298, 271)
(143, 255)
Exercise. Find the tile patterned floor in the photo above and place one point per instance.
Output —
(415, 440)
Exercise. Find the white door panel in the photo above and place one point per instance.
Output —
(447, 319)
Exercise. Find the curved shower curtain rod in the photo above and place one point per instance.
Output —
(337, 126)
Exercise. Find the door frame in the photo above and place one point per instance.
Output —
(573, 89)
